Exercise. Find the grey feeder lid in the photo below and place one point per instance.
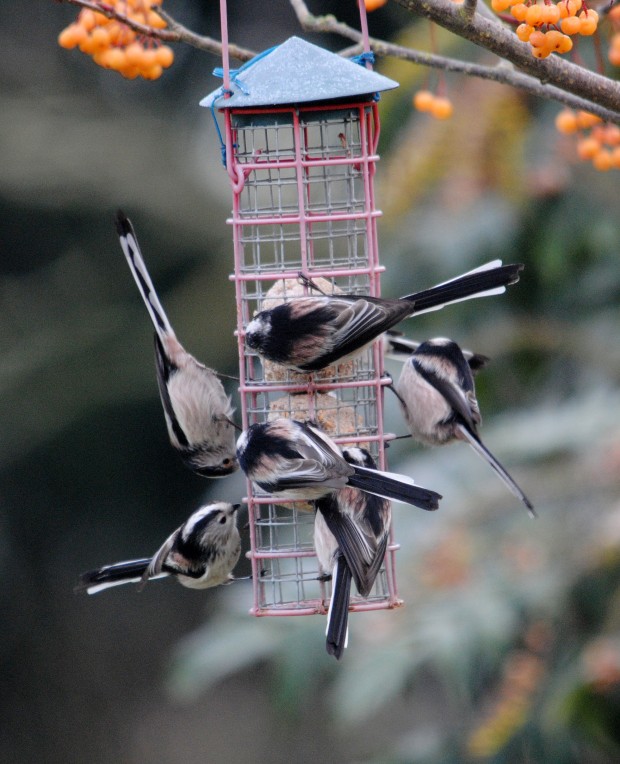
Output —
(297, 72)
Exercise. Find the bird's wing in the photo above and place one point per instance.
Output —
(318, 462)
(453, 394)
(160, 557)
(356, 323)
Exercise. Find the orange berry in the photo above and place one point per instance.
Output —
(149, 59)
(499, 6)
(100, 38)
(519, 11)
(100, 18)
(587, 148)
(553, 38)
(611, 135)
(86, 18)
(164, 56)
(134, 53)
(534, 15)
(153, 72)
(588, 23)
(570, 25)
(564, 44)
(423, 100)
(130, 72)
(573, 6)
(523, 32)
(615, 156)
(551, 14)
(585, 119)
(442, 108)
(155, 20)
(116, 59)
(602, 160)
(566, 121)
(537, 39)
(614, 56)
(541, 52)
(87, 46)
(72, 36)
(372, 5)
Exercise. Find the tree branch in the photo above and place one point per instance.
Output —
(502, 73)
(553, 78)
(493, 36)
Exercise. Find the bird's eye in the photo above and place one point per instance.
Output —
(223, 520)
(226, 462)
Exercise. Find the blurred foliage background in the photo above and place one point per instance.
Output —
(508, 648)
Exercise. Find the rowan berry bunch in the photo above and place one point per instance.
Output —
(549, 27)
(114, 45)
(614, 40)
(596, 141)
(439, 107)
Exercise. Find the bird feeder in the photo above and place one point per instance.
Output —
(300, 136)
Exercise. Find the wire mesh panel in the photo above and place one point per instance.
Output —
(305, 203)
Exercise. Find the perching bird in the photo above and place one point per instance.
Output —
(200, 554)
(198, 412)
(437, 394)
(351, 530)
(296, 460)
(310, 333)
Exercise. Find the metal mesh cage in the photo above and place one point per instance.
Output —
(304, 202)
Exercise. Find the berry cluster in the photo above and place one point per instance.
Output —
(614, 40)
(549, 27)
(113, 45)
(597, 141)
(439, 107)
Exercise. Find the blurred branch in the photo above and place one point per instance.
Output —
(553, 78)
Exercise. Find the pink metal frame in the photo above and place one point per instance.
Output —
(294, 172)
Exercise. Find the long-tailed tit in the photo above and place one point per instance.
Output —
(198, 412)
(436, 391)
(351, 531)
(400, 348)
(295, 460)
(310, 333)
(200, 554)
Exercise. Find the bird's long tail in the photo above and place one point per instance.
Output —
(484, 452)
(491, 278)
(131, 249)
(130, 571)
(389, 485)
(337, 632)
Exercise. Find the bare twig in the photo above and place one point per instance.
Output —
(469, 8)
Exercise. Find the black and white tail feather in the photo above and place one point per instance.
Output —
(200, 554)
(337, 629)
(351, 531)
(310, 333)
(197, 410)
(295, 460)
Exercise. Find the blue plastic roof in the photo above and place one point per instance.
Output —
(297, 72)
